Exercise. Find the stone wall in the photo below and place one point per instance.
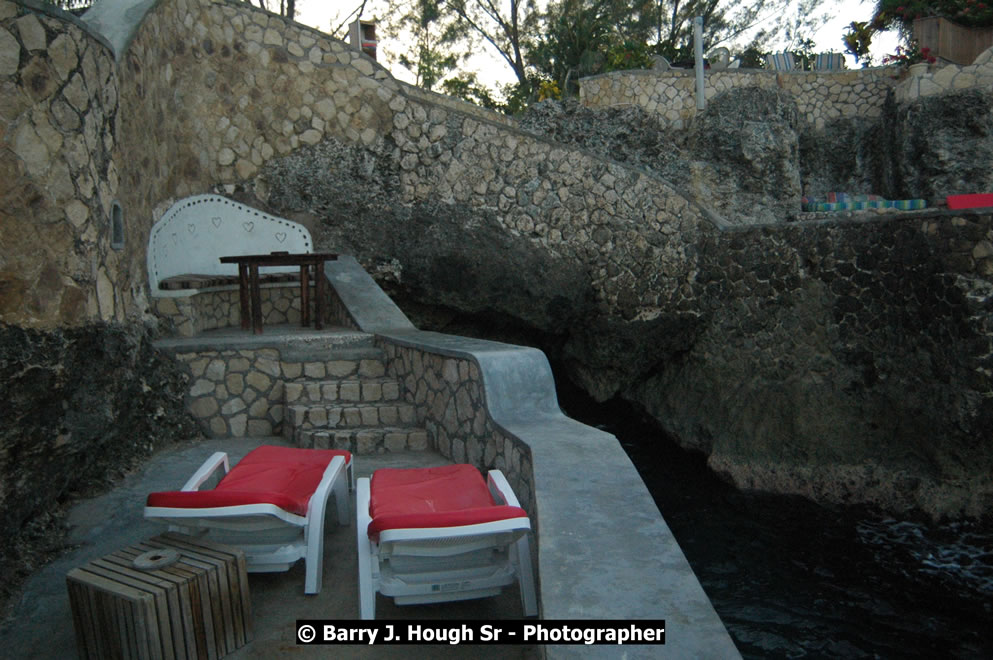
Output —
(241, 392)
(949, 78)
(820, 96)
(59, 175)
(216, 91)
(455, 192)
(450, 399)
(187, 316)
(453, 103)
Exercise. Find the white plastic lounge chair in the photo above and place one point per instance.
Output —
(271, 505)
(440, 534)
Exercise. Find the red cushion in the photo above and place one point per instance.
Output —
(969, 201)
(283, 476)
(447, 496)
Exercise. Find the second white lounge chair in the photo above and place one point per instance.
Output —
(440, 534)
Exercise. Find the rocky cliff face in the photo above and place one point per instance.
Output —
(79, 404)
(847, 361)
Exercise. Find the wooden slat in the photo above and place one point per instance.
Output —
(199, 607)
(156, 592)
(197, 614)
(234, 562)
(125, 628)
(168, 612)
(214, 594)
(216, 563)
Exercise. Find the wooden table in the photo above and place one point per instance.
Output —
(251, 297)
(172, 596)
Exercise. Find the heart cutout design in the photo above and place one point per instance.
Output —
(280, 236)
(249, 226)
(175, 239)
(192, 228)
(215, 221)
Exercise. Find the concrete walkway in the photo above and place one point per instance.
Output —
(40, 625)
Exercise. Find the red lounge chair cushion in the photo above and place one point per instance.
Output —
(969, 201)
(447, 496)
(282, 476)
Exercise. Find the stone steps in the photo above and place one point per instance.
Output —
(351, 390)
(352, 415)
(344, 400)
(366, 440)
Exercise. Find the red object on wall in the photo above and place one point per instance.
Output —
(970, 201)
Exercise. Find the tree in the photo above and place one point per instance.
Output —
(505, 26)
(287, 8)
(438, 43)
(584, 37)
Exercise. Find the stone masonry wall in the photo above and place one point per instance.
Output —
(242, 392)
(59, 175)
(295, 91)
(451, 404)
(214, 91)
(453, 103)
(186, 316)
(820, 96)
(949, 78)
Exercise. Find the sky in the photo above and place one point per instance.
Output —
(493, 70)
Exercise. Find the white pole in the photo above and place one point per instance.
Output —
(701, 101)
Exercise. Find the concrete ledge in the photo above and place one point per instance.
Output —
(604, 550)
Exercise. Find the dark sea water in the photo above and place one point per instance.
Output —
(791, 579)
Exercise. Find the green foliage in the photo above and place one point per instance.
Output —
(805, 54)
(437, 43)
(858, 39)
(573, 44)
(753, 57)
(548, 91)
(465, 86)
(570, 39)
(629, 55)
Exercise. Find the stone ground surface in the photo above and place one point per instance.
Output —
(40, 623)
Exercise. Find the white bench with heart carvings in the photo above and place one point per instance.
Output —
(191, 287)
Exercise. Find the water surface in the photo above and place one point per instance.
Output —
(791, 579)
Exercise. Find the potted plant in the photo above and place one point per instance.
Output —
(913, 57)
